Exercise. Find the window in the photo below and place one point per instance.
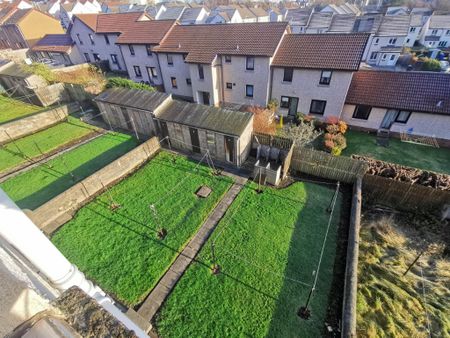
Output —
(86, 57)
(96, 56)
(384, 56)
(434, 32)
(91, 37)
(250, 63)
(448, 32)
(412, 29)
(317, 107)
(131, 48)
(442, 44)
(229, 85)
(201, 74)
(376, 41)
(373, 55)
(114, 59)
(288, 73)
(169, 60)
(184, 57)
(106, 39)
(325, 77)
(403, 116)
(79, 39)
(284, 102)
(227, 58)
(173, 81)
(407, 40)
(249, 90)
(211, 141)
(188, 82)
(362, 112)
(137, 71)
(148, 48)
(152, 71)
(392, 57)
(392, 41)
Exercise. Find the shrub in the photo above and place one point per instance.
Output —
(272, 105)
(332, 119)
(431, 65)
(126, 83)
(340, 141)
(336, 151)
(329, 145)
(329, 137)
(333, 128)
(41, 70)
(263, 121)
(342, 127)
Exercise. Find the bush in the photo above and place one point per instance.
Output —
(272, 105)
(333, 128)
(126, 83)
(334, 139)
(431, 65)
(336, 151)
(340, 141)
(41, 70)
(342, 127)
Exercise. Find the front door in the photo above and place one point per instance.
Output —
(194, 140)
(293, 105)
(229, 148)
(389, 119)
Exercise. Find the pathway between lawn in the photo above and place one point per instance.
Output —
(156, 298)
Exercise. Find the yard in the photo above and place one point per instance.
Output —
(15, 153)
(120, 250)
(391, 304)
(408, 154)
(38, 185)
(267, 246)
(11, 109)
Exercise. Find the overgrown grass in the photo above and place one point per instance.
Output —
(11, 109)
(393, 305)
(120, 249)
(38, 185)
(408, 154)
(15, 153)
(264, 245)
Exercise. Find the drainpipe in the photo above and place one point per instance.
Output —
(22, 234)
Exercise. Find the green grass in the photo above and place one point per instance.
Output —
(38, 185)
(120, 249)
(11, 109)
(276, 235)
(14, 153)
(408, 154)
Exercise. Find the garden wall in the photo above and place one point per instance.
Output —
(61, 92)
(322, 164)
(403, 195)
(34, 123)
(61, 208)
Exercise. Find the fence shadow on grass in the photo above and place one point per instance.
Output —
(65, 181)
(303, 255)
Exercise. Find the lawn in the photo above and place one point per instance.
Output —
(389, 303)
(120, 249)
(11, 109)
(408, 154)
(14, 153)
(38, 185)
(267, 245)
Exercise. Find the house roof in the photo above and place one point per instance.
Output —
(321, 51)
(6, 10)
(133, 98)
(394, 25)
(416, 20)
(440, 21)
(342, 23)
(171, 13)
(368, 23)
(17, 16)
(320, 20)
(145, 32)
(221, 120)
(258, 12)
(61, 43)
(109, 22)
(415, 91)
(191, 14)
(202, 43)
(299, 16)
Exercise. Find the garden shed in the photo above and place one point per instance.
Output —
(227, 134)
(131, 109)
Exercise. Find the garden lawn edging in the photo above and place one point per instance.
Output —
(14, 130)
(61, 208)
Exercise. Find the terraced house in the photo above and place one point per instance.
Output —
(211, 64)
(95, 36)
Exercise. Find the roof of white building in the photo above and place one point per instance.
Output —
(440, 21)
(342, 23)
(394, 25)
(320, 20)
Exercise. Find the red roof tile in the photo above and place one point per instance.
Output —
(202, 43)
(146, 32)
(323, 51)
(415, 91)
(110, 22)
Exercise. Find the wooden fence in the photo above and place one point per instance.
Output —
(402, 195)
(322, 164)
(272, 141)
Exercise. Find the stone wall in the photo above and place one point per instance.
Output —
(34, 123)
(51, 215)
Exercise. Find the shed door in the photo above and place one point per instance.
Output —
(194, 140)
(229, 148)
(164, 131)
